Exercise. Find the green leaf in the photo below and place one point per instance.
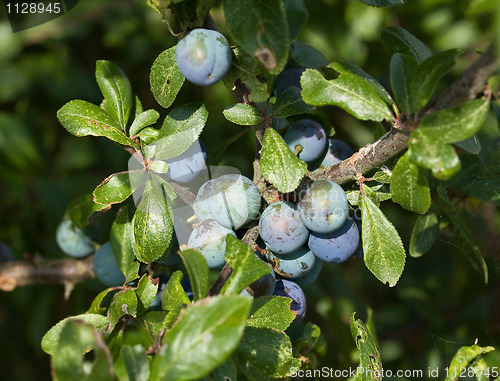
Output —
(146, 292)
(349, 92)
(370, 193)
(402, 68)
(114, 189)
(121, 243)
(180, 130)
(76, 339)
(116, 89)
(51, 338)
(226, 371)
(471, 145)
(376, 193)
(95, 307)
(245, 367)
(144, 119)
(346, 67)
(198, 272)
(278, 164)
(247, 70)
(247, 267)
(136, 362)
(203, 338)
(383, 176)
(260, 28)
(426, 152)
(369, 356)
(271, 312)
(155, 322)
(191, 13)
(290, 103)
(160, 166)
(296, 16)
(307, 56)
(123, 303)
(481, 369)
(424, 234)
(457, 123)
(82, 118)
(148, 135)
(311, 341)
(494, 85)
(398, 40)
(82, 209)
(269, 350)
(409, 186)
(167, 188)
(382, 3)
(463, 358)
(384, 253)
(165, 78)
(174, 295)
(152, 221)
(138, 109)
(426, 76)
(243, 114)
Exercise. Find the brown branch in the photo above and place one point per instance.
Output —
(44, 271)
(367, 158)
(221, 280)
(184, 192)
(471, 83)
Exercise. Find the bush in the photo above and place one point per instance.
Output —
(197, 300)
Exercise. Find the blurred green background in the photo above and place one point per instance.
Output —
(439, 304)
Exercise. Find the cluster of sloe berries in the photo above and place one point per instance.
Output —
(297, 237)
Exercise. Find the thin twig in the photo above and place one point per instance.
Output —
(44, 271)
(184, 192)
(226, 272)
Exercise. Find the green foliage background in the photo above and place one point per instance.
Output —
(440, 303)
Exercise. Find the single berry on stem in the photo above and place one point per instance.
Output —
(281, 228)
(203, 56)
(307, 139)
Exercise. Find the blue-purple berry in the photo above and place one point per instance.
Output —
(73, 240)
(209, 238)
(337, 151)
(292, 265)
(323, 206)
(293, 291)
(106, 267)
(311, 275)
(338, 246)
(203, 56)
(281, 228)
(234, 200)
(306, 137)
(200, 205)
